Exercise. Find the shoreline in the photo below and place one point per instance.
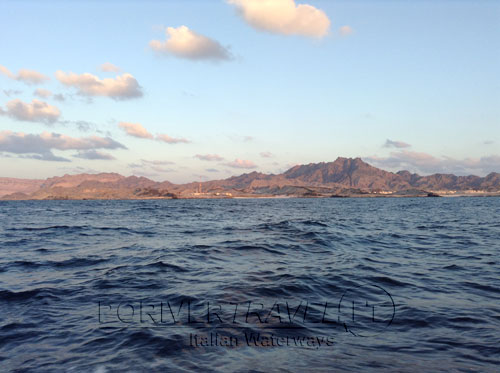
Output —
(466, 195)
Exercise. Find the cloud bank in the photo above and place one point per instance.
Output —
(283, 17)
(36, 111)
(123, 87)
(184, 43)
(40, 146)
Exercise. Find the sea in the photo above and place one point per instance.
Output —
(250, 285)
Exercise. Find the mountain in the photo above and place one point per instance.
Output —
(342, 178)
(348, 172)
(10, 185)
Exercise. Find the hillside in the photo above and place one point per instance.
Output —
(341, 178)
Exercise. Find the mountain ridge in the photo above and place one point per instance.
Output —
(342, 177)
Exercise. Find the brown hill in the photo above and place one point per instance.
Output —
(9, 185)
(347, 172)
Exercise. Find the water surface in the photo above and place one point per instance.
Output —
(437, 258)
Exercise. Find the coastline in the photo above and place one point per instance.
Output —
(215, 197)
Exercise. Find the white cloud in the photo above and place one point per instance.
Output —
(209, 157)
(122, 87)
(25, 76)
(170, 140)
(185, 43)
(241, 163)
(135, 129)
(424, 163)
(40, 146)
(43, 93)
(283, 17)
(109, 67)
(346, 30)
(396, 144)
(36, 111)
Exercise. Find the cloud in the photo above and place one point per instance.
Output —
(241, 163)
(40, 146)
(212, 170)
(31, 77)
(59, 97)
(43, 93)
(25, 76)
(11, 92)
(135, 129)
(283, 17)
(36, 111)
(488, 142)
(395, 144)
(123, 87)
(156, 162)
(425, 163)
(82, 125)
(93, 155)
(266, 155)
(109, 67)
(170, 140)
(155, 165)
(184, 43)
(209, 157)
(49, 156)
(162, 169)
(346, 30)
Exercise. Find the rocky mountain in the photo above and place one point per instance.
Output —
(347, 172)
(341, 178)
(10, 185)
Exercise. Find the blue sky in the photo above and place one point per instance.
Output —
(253, 90)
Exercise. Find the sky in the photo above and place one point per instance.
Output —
(199, 90)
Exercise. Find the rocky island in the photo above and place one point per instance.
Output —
(345, 177)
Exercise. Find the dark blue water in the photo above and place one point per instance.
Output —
(397, 285)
